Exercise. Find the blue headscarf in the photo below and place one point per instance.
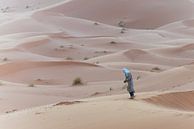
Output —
(126, 72)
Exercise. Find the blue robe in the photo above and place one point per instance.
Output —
(129, 80)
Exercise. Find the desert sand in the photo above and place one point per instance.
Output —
(46, 44)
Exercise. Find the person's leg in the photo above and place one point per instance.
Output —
(132, 94)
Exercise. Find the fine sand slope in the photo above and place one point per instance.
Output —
(177, 100)
(131, 13)
(53, 73)
(168, 79)
(105, 112)
(182, 51)
(143, 56)
(24, 5)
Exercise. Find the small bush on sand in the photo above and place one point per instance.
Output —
(31, 85)
(61, 46)
(121, 24)
(39, 79)
(27, 6)
(69, 58)
(86, 58)
(4, 10)
(113, 42)
(122, 31)
(77, 81)
(155, 69)
(96, 23)
(5, 59)
(105, 51)
(11, 111)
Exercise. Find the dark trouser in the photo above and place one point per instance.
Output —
(131, 94)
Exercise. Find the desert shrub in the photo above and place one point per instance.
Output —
(122, 31)
(27, 6)
(69, 58)
(61, 46)
(121, 24)
(31, 85)
(14, 110)
(38, 79)
(5, 59)
(105, 52)
(77, 81)
(155, 69)
(86, 58)
(95, 23)
(113, 42)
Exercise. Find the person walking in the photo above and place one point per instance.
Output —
(129, 80)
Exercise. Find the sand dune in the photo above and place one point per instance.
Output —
(53, 73)
(112, 112)
(136, 66)
(46, 44)
(110, 43)
(76, 26)
(59, 48)
(141, 56)
(184, 27)
(183, 51)
(135, 14)
(24, 5)
(25, 24)
(177, 100)
(17, 55)
(168, 79)
(55, 23)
